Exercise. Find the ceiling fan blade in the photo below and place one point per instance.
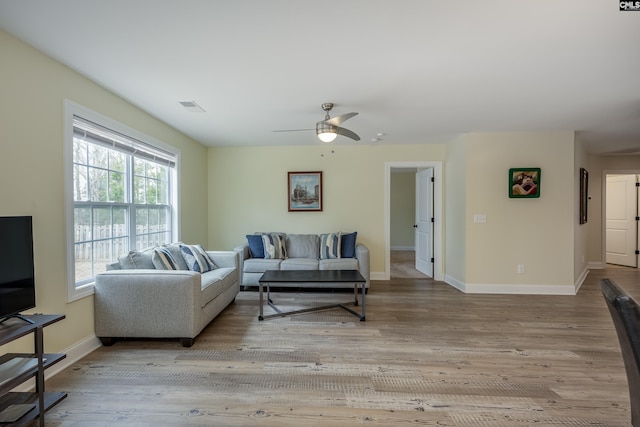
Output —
(335, 121)
(290, 130)
(347, 133)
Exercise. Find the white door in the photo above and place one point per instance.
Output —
(621, 226)
(424, 222)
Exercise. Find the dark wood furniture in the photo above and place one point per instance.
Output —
(625, 313)
(313, 279)
(20, 367)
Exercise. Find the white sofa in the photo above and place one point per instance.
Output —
(140, 301)
(302, 252)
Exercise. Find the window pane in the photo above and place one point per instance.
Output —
(97, 185)
(116, 187)
(101, 256)
(151, 192)
(101, 223)
(82, 224)
(120, 224)
(83, 261)
(119, 247)
(80, 193)
(98, 156)
(117, 161)
(138, 167)
(79, 151)
(138, 190)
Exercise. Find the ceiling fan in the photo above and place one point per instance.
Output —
(328, 129)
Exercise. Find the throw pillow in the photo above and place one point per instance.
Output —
(273, 246)
(164, 260)
(348, 249)
(176, 252)
(256, 247)
(330, 245)
(196, 258)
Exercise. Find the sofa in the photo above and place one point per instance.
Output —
(144, 296)
(281, 251)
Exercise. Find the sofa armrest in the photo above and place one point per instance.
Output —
(362, 254)
(147, 303)
(244, 251)
(228, 259)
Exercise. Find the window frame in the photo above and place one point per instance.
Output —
(71, 109)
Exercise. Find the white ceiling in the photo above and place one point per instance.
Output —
(418, 71)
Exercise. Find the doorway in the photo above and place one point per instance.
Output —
(621, 219)
(433, 237)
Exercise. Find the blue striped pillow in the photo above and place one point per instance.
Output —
(330, 245)
(273, 246)
(163, 259)
(196, 258)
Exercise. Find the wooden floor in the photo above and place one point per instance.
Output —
(427, 355)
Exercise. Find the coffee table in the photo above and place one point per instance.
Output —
(312, 279)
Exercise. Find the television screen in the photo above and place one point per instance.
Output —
(17, 281)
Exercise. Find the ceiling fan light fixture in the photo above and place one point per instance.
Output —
(326, 132)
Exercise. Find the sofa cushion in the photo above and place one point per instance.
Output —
(215, 282)
(260, 265)
(163, 259)
(302, 246)
(299, 264)
(339, 264)
(138, 260)
(196, 258)
(274, 247)
(330, 245)
(256, 247)
(348, 245)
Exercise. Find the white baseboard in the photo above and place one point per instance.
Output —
(403, 248)
(597, 265)
(511, 289)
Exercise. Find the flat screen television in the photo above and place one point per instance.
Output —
(17, 279)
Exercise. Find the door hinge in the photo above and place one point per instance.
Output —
(637, 184)
(638, 218)
(434, 180)
(433, 260)
(432, 219)
(637, 252)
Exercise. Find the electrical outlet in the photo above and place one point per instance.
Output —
(520, 268)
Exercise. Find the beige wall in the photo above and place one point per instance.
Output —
(581, 231)
(455, 200)
(249, 188)
(33, 88)
(403, 210)
(537, 233)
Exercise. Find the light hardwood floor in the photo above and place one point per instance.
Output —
(427, 355)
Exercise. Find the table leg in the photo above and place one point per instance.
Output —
(355, 294)
(260, 317)
(362, 319)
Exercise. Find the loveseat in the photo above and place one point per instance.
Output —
(281, 251)
(158, 294)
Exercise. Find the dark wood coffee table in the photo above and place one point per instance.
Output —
(313, 279)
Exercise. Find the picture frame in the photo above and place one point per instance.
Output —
(584, 194)
(304, 191)
(524, 183)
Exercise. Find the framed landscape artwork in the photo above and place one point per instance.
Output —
(305, 191)
(524, 183)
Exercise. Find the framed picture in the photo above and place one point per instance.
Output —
(584, 194)
(524, 183)
(305, 191)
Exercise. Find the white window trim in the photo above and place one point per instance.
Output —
(73, 109)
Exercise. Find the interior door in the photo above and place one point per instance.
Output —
(424, 222)
(621, 225)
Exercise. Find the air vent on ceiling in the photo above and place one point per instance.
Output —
(192, 107)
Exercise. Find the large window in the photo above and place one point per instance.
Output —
(122, 187)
